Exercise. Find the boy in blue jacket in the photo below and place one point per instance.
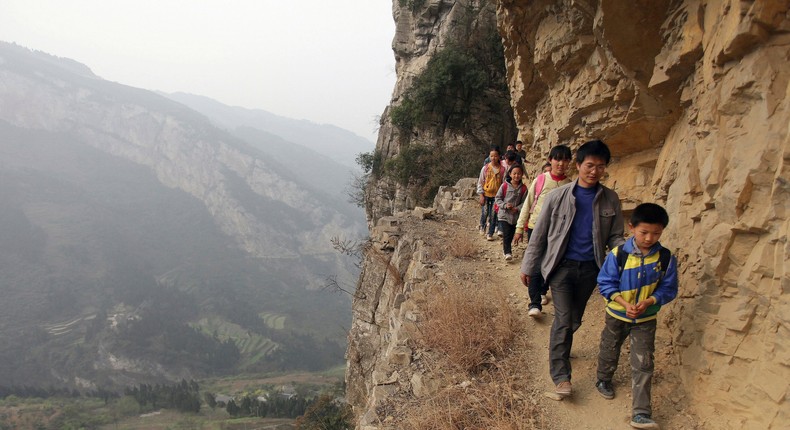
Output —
(636, 279)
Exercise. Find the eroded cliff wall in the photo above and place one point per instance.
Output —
(424, 29)
(693, 98)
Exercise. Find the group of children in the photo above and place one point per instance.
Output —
(569, 227)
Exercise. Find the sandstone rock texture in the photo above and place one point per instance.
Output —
(422, 30)
(693, 98)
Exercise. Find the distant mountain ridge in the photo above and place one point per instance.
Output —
(141, 242)
(340, 145)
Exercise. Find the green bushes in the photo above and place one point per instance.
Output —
(452, 80)
(423, 169)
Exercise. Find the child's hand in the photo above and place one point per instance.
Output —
(482, 200)
(517, 238)
(631, 311)
(642, 306)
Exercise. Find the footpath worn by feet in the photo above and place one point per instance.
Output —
(585, 408)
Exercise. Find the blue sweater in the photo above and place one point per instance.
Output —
(639, 280)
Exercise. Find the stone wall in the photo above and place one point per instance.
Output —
(693, 98)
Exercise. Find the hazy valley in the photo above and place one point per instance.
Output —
(143, 241)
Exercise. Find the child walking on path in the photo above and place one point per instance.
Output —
(491, 177)
(559, 159)
(636, 279)
(508, 201)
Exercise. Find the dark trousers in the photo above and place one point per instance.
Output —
(643, 339)
(537, 285)
(571, 284)
(508, 231)
(487, 213)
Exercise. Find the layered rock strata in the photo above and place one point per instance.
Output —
(693, 98)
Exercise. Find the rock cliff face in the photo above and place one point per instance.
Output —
(422, 30)
(693, 97)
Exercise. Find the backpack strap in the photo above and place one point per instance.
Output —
(663, 260)
(540, 181)
(504, 194)
(521, 194)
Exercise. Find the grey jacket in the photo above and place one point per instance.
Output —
(514, 197)
(550, 237)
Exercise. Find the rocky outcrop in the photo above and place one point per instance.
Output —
(693, 98)
(422, 30)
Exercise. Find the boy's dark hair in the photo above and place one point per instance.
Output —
(510, 156)
(547, 165)
(560, 152)
(593, 148)
(518, 142)
(649, 213)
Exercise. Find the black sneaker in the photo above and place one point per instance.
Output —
(605, 388)
(643, 421)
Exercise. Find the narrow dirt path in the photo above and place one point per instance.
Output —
(586, 409)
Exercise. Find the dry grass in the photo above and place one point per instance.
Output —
(477, 340)
(472, 325)
(486, 406)
(462, 247)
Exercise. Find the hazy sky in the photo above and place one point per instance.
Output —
(325, 61)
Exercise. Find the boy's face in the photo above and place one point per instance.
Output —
(591, 170)
(519, 146)
(494, 156)
(559, 167)
(515, 175)
(646, 235)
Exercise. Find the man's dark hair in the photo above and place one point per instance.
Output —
(560, 152)
(593, 148)
(649, 213)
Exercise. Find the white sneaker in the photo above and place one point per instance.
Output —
(508, 257)
(544, 299)
(535, 313)
(482, 230)
(489, 237)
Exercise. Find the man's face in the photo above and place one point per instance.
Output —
(591, 170)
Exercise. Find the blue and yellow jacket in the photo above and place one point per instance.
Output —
(639, 280)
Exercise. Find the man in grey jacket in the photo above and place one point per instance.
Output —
(577, 224)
